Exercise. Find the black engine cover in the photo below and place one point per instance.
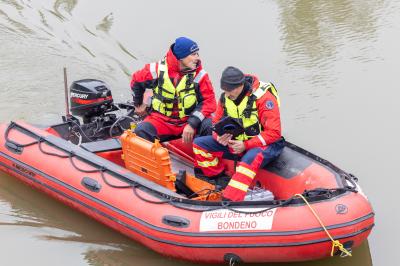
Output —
(90, 97)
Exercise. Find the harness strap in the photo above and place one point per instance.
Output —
(164, 99)
(189, 81)
(249, 107)
(161, 81)
(222, 100)
(162, 69)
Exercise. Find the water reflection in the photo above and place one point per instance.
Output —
(15, 24)
(315, 31)
(52, 224)
(106, 23)
(38, 34)
(324, 40)
(126, 51)
(55, 224)
(66, 5)
(13, 3)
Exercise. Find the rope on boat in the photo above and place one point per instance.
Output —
(335, 243)
(18, 145)
(174, 200)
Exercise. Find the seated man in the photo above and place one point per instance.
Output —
(183, 96)
(255, 105)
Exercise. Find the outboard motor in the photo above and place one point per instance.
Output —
(91, 99)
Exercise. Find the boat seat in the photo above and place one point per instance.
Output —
(102, 145)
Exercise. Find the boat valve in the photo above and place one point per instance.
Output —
(232, 259)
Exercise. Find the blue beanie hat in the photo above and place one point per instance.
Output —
(183, 47)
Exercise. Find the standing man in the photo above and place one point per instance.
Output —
(255, 105)
(183, 96)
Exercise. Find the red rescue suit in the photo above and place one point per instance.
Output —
(260, 149)
(173, 125)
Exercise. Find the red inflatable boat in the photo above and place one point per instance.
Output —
(131, 185)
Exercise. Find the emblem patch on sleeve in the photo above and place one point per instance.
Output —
(269, 104)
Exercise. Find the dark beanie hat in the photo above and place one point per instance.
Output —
(183, 47)
(231, 78)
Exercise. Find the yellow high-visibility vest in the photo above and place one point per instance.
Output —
(165, 94)
(246, 112)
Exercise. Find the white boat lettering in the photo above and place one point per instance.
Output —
(214, 215)
(79, 95)
(237, 225)
(243, 219)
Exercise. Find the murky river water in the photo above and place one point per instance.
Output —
(336, 64)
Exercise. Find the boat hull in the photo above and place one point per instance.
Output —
(172, 226)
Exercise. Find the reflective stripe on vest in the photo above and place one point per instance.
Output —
(199, 76)
(264, 87)
(153, 70)
(247, 111)
(166, 95)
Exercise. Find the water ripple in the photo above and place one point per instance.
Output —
(66, 5)
(18, 25)
(106, 23)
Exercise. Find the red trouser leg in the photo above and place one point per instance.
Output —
(154, 127)
(244, 175)
(248, 167)
(208, 154)
(240, 182)
(164, 128)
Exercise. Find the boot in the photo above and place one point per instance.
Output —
(220, 180)
(198, 173)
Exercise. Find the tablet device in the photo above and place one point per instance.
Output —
(228, 125)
